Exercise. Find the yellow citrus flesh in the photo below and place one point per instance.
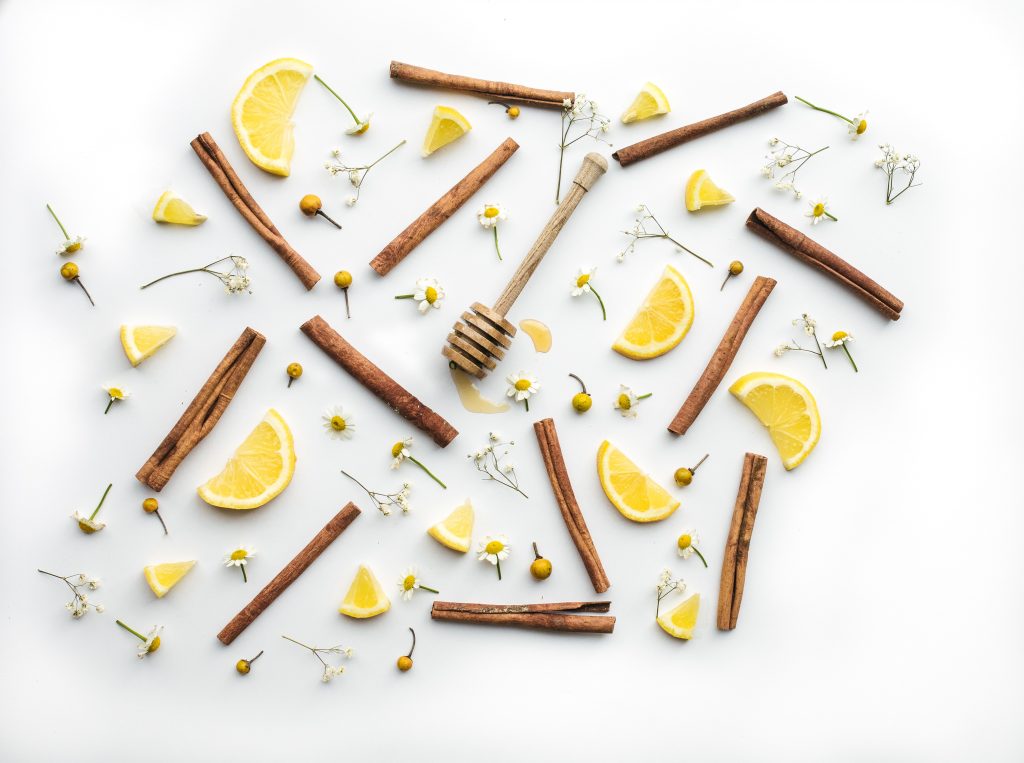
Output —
(633, 493)
(702, 192)
(365, 597)
(649, 102)
(139, 342)
(171, 208)
(259, 470)
(262, 113)
(662, 321)
(787, 408)
(456, 530)
(445, 126)
(163, 577)
(681, 620)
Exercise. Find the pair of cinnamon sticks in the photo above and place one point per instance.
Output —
(737, 546)
(555, 616)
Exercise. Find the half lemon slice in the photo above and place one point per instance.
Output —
(787, 408)
(631, 491)
(661, 321)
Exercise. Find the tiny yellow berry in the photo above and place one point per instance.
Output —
(735, 267)
(150, 505)
(342, 279)
(541, 568)
(513, 112)
(683, 476)
(69, 271)
(581, 401)
(294, 370)
(243, 667)
(310, 205)
(404, 663)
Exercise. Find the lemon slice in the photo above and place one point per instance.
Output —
(365, 597)
(259, 470)
(456, 530)
(445, 126)
(681, 620)
(650, 102)
(787, 408)
(163, 577)
(262, 113)
(140, 342)
(662, 321)
(702, 192)
(632, 492)
(171, 208)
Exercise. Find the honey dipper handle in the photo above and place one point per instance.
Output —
(594, 165)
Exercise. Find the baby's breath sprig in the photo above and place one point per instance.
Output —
(89, 524)
(78, 583)
(809, 326)
(855, 127)
(666, 585)
(841, 339)
(362, 125)
(400, 452)
(583, 284)
(580, 119)
(356, 173)
(891, 163)
(787, 155)
(641, 231)
(383, 501)
(235, 280)
(70, 245)
(330, 671)
(487, 461)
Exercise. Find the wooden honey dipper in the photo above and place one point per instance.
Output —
(480, 339)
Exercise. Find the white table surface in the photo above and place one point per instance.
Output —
(883, 608)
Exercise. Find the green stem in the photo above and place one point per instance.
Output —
(107, 409)
(331, 91)
(496, 248)
(79, 282)
(644, 397)
(171, 275)
(57, 220)
(818, 108)
(432, 590)
(604, 314)
(526, 402)
(135, 633)
(245, 577)
(820, 353)
(97, 509)
(831, 216)
(297, 642)
(697, 551)
(385, 156)
(855, 369)
(429, 473)
(404, 296)
(498, 565)
(690, 251)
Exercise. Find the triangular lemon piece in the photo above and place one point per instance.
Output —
(365, 597)
(681, 620)
(163, 577)
(649, 102)
(702, 192)
(446, 125)
(171, 208)
(456, 530)
(139, 342)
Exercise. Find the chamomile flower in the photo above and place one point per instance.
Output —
(239, 557)
(858, 125)
(489, 215)
(521, 386)
(583, 284)
(493, 549)
(429, 294)
(686, 545)
(115, 393)
(71, 244)
(841, 339)
(819, 210)
(410, 582)
(338, 423)
(400, 452)
(89, 524)
(627, 402)
(362, 125)
(150, 642)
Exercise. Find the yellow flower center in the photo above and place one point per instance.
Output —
(624, 402)
(819, 209)
(397, 448)
(839, 335)
(409, 582)
(338, 424)
(494, 547)
(582, 280)
(862, 126)
(362, 128)
(522, 385)
(685, 541)
(155, 645)
(116, 393)
(72, 248)
(430, 293)
(492, 212)
(239, 554)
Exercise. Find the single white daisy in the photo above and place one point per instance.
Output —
(400, 452)
(115, 393)
(581, 284)
(151, 642)
(493, 549)
(429, 293)
(489, 215)
(338, 423)
(521, 386)
(361, 126)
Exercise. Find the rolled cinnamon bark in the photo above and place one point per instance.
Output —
(498, 90)
(737, 546)
(722, 359)
(442, 209)
(810, 252)
(525, 616)
(394, 395)
(652, 146)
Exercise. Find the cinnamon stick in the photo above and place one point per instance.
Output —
(504, 91)
(651, 146)
(812, 253)
(547, 439)
(394, 395)
(224, 175)
(505, 609)
(722, 359)
(289, 574)
(203, 412)
(442, 209)
(737, 546)
(526, 616)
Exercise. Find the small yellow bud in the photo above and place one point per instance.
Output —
(310, 205)
(342, 279)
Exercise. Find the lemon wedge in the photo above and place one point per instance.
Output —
(139, 342)
(365, 597)
(445, 126)
(262, 113)
(787, 408)
(171, 208)
(702, 192)
(259, 470)
(681, 620)
(649, 102)
(662, 320)
(163, 577)
(633, 493)
(456, 530)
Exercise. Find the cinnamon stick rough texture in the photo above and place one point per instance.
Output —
(224, 175)
(203, 412)
(394, 395)
(722, 359)
(812, 253)
(498, 90)
(289, 574)
(505, 609)
(737, 546)
(442, 209)
(547, 439)
(652, 146)
(539, 620)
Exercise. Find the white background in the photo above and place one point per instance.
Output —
(882, 614)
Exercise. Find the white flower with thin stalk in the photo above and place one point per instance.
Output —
(429, 294)
(809, 326)
(666, 585)
(580, 119)
(89, 524)
(488, 461)
(583, 284)
(115, 392)
(785, 155)
(239, 557)
(841, 339)
(521, 387)
(235, 280)
(384, 501)
(338, 423)
(818, 210)
(356, 173)
(493, 549)
(149, 643)
(855, 127)
(686, 545)
(400, 452)
(646, 225)
(362, 124)
(489, 215)
(627, 402)
(894, 163)
(71, 244)
(410, 582)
